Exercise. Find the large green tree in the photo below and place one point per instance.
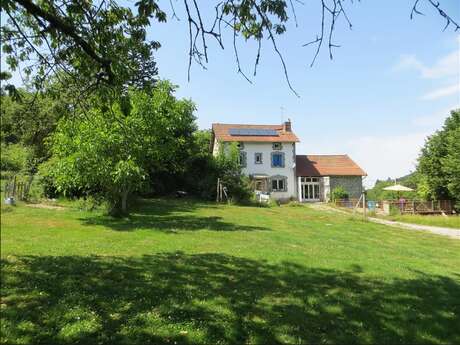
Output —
(439, 161)
(112, 151)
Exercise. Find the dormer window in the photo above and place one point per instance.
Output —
(277, 146)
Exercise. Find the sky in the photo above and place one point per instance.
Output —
(392, 82)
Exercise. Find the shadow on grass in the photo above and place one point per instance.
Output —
(214, 298)
(168, 215)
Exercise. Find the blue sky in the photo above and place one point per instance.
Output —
(391, 83)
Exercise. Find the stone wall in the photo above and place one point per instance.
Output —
(352, 184)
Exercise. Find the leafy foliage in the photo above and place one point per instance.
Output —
(111, 153)
(31, 118)
(439, 161)
(339, 193)
(230, 173)
(92, 47)
(15, 157)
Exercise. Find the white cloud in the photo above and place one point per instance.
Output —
(445, 91)
(446, 66)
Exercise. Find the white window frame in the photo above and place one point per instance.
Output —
(278, 178)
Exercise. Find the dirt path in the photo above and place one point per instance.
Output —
(51, 207)
(452, 233)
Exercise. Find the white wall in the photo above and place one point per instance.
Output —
(265, 168)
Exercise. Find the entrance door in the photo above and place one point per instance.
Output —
(310, 188)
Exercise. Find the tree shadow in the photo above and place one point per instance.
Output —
(215, 298)
(171, 216)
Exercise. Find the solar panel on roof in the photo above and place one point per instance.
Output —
(252, 132)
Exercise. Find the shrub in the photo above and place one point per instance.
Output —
(15, 157)
(339, 193)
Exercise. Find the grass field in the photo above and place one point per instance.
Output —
(189, 272)
(443, 221)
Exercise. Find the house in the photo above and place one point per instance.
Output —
(268, 156)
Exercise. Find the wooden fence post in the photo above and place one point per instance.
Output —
(14, 186)
(364, 205)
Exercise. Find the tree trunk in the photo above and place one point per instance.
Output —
(124, 201)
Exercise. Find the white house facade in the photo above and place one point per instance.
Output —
(268, 157)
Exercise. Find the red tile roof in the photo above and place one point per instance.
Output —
(222, 134)
(327, 165)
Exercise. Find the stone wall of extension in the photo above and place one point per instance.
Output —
(352, 184)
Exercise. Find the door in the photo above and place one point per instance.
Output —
(310, 189)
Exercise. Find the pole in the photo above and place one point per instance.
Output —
(217, 190)
(364, 205)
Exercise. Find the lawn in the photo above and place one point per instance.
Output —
(434, 220)
(180, 271)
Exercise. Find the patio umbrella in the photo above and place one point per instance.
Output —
(398, 188)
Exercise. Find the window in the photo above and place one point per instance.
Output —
(242, 159)
(277, 146)
(279, 184)
(240, 145)
(258, 158)
(277, 160)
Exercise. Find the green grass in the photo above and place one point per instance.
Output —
(433, 220)
(190, 272)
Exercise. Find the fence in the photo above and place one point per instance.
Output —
(349, 203)
(406, 207)
(18, 187)
(420, 207)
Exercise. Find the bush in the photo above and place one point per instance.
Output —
(15, 157)
(339, 193)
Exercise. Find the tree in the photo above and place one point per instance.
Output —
(111, 153)
(93, 42)
(229, 170)
(90, 47)
(439, 161)
(30, 118)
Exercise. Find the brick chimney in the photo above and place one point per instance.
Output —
(287, 126)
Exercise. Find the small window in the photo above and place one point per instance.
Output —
(240, 145)
(277, 160)
(314, 179)
(258, 158)
(242, 159)
(277, 146)
(279, 184)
